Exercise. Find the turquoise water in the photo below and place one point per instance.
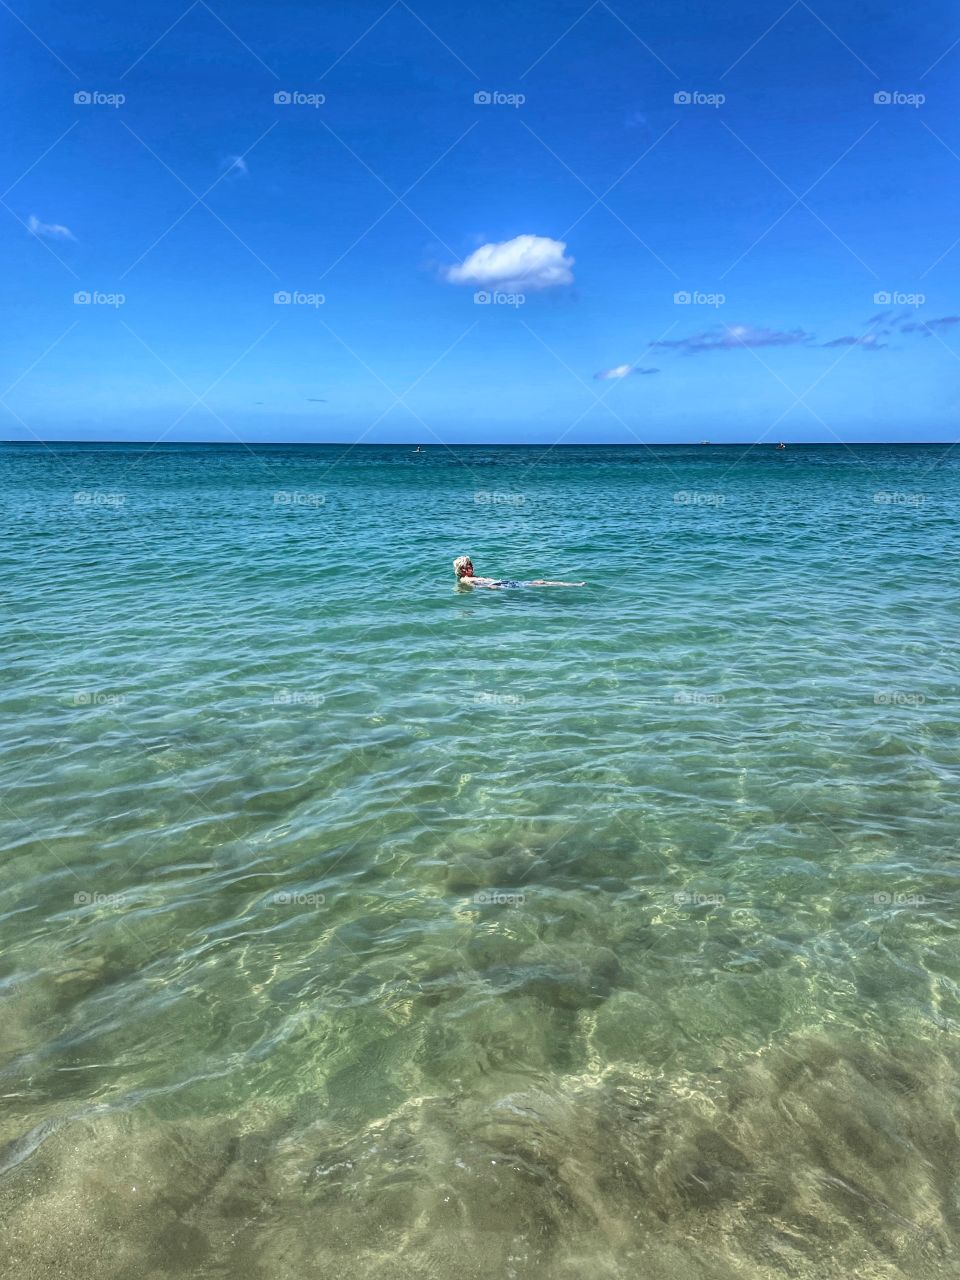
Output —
(351, 923)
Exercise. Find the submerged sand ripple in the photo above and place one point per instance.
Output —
(809, 1158)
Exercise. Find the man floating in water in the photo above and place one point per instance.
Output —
(463, 568)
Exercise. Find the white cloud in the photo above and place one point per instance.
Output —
(622, 371)
(52, 230)
(525, 262)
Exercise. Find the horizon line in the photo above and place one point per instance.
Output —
(484, 444)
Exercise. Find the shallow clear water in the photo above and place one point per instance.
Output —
(353, 923)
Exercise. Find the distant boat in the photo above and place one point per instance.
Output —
(416, 450)
(704, 441)
(781, 445)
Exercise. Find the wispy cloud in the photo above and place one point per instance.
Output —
(897, 320)
(49, 230)
(237, 166)
(867, 340)
(734, 336)
(885, 324)
(890, 318)
(622, 371)
(930, 326)
(637, 120)
(525, 262)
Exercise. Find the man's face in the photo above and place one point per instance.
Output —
(466, 570)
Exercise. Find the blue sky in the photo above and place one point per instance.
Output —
(619, 155)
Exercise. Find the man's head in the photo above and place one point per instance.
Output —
(463, 567)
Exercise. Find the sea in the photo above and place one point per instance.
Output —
(354, 923)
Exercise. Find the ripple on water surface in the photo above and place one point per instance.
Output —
(348, 920)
